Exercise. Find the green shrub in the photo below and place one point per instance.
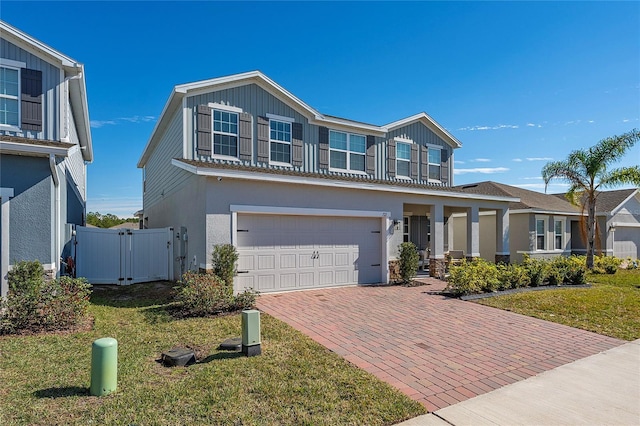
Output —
(35, 304)
(473, 277)
(536, 269)
(575, 270)
(606, 264)
(224, 260)
(206, 294)
(512, 276)
(408, 261)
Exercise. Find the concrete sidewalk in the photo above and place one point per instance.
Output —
(602, 389)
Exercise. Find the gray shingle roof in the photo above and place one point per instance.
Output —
(528, 199)
(607, 201)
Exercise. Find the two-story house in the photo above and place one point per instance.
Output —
(308, 199)
(45, 144)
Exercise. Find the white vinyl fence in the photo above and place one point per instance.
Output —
(124, 256)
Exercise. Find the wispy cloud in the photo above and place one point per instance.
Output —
(481, 160)
(122, 207)
(498, 127)
(458, 162)
(539, 159)
(483, 170)
(532, 178)
(96, 124)
(533, 125)
(517, 160)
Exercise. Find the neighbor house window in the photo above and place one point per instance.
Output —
(9, 96)
(540, 234)
(225, 133)
(280, 141)
(435, 158)
(405, 229)
(558, 234)
(403, 159)
(347, 151)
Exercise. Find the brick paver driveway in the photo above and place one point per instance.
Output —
(437, 350)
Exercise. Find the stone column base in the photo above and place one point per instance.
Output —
(437, 268)
(503, 258)
(394, 271)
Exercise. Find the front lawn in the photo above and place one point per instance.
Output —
(611, 307)
(45, 378)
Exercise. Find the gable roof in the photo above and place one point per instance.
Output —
(72, 68)
(608, 202)
(181, 91)
(529, 200)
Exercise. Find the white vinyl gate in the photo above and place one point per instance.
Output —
(123, 256)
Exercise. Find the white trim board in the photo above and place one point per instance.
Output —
(295, 211)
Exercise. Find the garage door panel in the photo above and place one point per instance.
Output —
(290, 252)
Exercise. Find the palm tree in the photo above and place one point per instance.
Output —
(586, 172)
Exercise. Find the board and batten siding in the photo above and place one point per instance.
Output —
(51, 79)
(160, 176)
(74, 164)
(422, 135)
(258, 102)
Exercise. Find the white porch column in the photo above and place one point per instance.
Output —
(437, 231)
(473, 231)
(503, 251)
(5, 195)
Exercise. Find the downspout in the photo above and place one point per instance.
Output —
(56, 211)
(67, 137)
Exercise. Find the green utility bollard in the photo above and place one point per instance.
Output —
(251, 332)
(104, 366)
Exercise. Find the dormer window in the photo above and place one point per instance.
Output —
(280, 139)
(347, 151)
(435, 158)
(9, 96)
(225, 133)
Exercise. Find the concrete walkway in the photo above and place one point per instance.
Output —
(602, 389)
(437, 350)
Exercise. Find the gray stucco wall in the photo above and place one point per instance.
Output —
(50, 86)
(30, 213)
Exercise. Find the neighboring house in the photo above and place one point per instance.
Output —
(308, 199)
(45, 144)
(618, 221)
(540, 225)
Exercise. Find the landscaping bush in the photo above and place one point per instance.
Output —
(575, 270)
(476, 276)
(536, 269)
(207, 294)
(606, 264)
(224, 260)
(35, 304)
(512, 276)
(408, 261)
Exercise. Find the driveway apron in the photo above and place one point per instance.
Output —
(437, 350)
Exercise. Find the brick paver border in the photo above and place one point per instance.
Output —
(437, 350)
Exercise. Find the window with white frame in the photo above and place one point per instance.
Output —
(435, 158)
(280, 141)
(558, 234)
(9, 96)
(540, 231)
(403, 159)
(347, 151)
(406, 229)
(225, 133)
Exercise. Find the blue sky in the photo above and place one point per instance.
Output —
(518, 83)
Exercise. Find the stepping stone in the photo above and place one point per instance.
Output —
(233, 344)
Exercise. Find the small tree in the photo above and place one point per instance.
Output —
(408, 261)
(224, 260)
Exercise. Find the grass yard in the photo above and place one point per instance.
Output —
(45, 378)
(611, 307)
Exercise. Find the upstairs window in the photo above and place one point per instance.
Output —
(558, 234)
(435, 158)
(540, 234)
(9, 96)
(280, 141)
(403, 159)
(225, 133)
(347, 151)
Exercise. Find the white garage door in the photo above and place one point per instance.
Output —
(626, 242)
(279, 252)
